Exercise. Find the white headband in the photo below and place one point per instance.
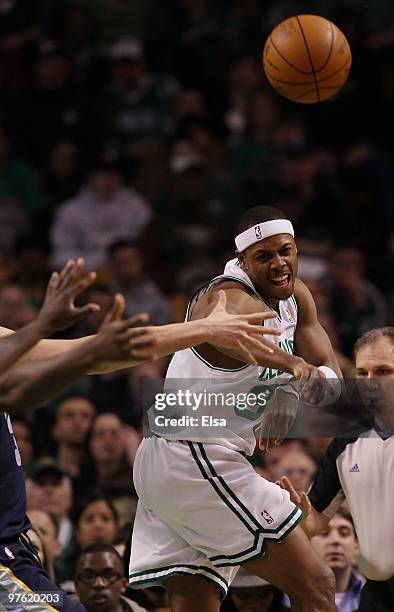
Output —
(263, 230)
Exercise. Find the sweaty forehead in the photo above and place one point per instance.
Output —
(273, 243)
(381, 351)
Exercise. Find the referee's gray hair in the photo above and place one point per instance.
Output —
(372, 336)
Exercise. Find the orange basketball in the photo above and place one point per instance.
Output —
(307, 59)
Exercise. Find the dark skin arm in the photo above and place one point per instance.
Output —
(311, 341)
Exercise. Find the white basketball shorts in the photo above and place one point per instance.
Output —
(202, 510)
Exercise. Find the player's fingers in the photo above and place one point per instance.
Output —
(53, 282)
(245, 353)
(64, 272)
(139, 319)
(222, 300)
(294, 496)
(265, 433)
(116, 311)
(265, 345)
(83, 284)
(143, 354)
(85, 310)
(259, 317)
(260, 330)
(252, 343)
(305, 503)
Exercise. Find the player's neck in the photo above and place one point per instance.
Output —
(272, 302)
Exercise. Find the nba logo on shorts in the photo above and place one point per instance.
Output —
(267, 517)
(257, 231)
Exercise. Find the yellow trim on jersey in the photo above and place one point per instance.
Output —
(23, 585)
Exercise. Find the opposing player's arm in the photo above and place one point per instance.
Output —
(241, 302)
(311, 341)
(151, 342)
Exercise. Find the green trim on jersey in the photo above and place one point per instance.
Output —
(237, 507)
(176, 570)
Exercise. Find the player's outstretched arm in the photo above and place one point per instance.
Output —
(243, 333)
(30, 383)
(58, 312)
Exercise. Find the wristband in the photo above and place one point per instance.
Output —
(332, 388)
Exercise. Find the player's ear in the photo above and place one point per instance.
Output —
(241, 259)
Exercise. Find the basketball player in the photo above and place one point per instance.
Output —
(33, 380)
(202, 509)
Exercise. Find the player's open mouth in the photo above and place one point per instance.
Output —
(281, 281)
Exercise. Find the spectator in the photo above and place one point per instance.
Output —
(338, 546)
(317, 448)
(47, 524)
(126, 267)
(255, 151)
(272, 458)
(100, 580)
(51, 109)
(137, 104)
(49, 488)
(108, 466)
(62, 177)
(46, 560)
(249, 593)
(15, 311)
(298, 467)
(196, 219)
(95, 520)
(356, 305)
(31, 257)
(74, 419)
(24, 436)
(244, 80)
(104, 211)
(20, 193)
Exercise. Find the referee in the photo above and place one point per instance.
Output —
(361, 470)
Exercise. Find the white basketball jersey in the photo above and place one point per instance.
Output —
(190, 365)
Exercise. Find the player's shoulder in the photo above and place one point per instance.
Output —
(301, 291)
(240, 298)
(305, 302)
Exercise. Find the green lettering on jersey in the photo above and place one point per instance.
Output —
(268, 373)
(252, 404)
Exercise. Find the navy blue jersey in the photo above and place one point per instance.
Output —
(13, 517)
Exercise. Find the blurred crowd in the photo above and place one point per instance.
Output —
(133, 133)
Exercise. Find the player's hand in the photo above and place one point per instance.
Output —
(313, 521)
(310, 384)
(243, 332)
(278, 417)
(300, 499)
(58, 311)
(115, 337)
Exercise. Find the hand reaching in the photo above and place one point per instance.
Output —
(58, 311)
(243, 332)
